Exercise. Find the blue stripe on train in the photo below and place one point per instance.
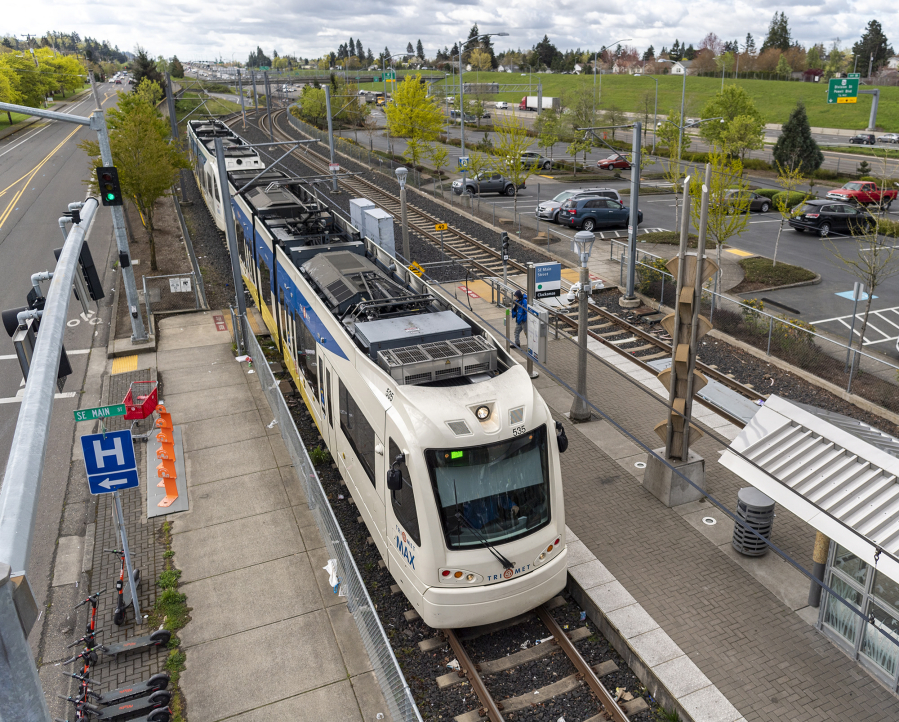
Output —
(296, 301)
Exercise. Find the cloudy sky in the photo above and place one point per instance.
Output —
(307, 28)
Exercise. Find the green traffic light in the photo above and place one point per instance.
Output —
(110, 196)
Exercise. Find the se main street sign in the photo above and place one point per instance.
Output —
(842, 90)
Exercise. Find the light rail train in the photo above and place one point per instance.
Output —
(448, 450)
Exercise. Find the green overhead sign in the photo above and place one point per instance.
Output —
(842, 90)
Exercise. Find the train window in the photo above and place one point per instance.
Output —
(265, 286)
(404, 500)
(310, 356)
(358, 432)
(215, 186)
(284, 332)
(496, 492)
(328, 397)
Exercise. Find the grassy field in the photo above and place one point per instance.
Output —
(16, 118)
(214, 106)
(774, 98)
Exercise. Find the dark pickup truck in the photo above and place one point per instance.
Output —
(486, 182)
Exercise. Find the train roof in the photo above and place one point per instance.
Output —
(238, 154)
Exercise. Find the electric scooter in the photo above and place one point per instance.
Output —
(122, 694)
(152, 709)
(159, 638)
(122, 604)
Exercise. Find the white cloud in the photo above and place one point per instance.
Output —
(308, 28)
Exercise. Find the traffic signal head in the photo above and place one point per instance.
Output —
(110, 191)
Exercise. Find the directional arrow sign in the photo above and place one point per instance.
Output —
(105, 484)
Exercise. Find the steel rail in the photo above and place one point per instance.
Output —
(468, 668)
(607, 701)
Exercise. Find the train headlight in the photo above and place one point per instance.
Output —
(482, 413)
(470, 577)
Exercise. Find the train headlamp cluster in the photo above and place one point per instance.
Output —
(549, 549)
(482, 412)
(458, 575)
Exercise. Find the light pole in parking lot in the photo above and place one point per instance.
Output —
(655, 112)
(462, 94)
(595, 54)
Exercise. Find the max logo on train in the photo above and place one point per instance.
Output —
(406, 550)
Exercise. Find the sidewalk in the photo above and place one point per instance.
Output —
(267, 640)
(713, 630)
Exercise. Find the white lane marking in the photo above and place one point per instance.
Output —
(18, 400)
(76, 352)
(774, 220)
(24, 140)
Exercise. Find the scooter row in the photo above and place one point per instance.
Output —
(145, 701)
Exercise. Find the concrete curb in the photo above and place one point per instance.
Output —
(813, 282)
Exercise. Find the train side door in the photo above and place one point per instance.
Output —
(327, 400)
(403, 528)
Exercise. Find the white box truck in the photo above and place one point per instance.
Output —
(530, 102)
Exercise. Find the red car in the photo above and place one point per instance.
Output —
(615, 161)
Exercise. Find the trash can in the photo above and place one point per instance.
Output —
(757, 511)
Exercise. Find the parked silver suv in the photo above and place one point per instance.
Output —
(549, 210)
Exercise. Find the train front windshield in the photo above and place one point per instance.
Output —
(494, 493)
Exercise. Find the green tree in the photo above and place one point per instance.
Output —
(148, 164)
(789, 178)
(742, 134)
(668, 135)
(414, 116)
(836, 61)
(439, 156)
(813, 57)
(479, 59)
(579, 145)
(783, 68)
(312, 105)
(8, 88)
(729, 103)
(177, 68)
(512, 141)
(142, 66)
(795, 148)
(778, 33)
(613, 116)
(548, 129)
(728, 199)
(873, 42)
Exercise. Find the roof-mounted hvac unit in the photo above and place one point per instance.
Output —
(439, 361)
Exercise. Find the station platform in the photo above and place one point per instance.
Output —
(724, 636)
(267, 638)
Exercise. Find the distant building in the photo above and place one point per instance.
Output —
(893, 63)
(680, 67)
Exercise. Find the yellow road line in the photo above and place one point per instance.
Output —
(123, 364)
(738, 252)
(29, 176)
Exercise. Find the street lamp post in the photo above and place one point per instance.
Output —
(401, 174)
(583, 244)
(655, 112)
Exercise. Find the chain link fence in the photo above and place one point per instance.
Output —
(788, 339)
(393, 684)
(167, 294)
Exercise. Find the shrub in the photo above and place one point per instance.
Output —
(793, 199)
(756, 164)
(767, 192)
(869, 178)
(825, 174)
(319, 455)
(651, 273)
(887, 227)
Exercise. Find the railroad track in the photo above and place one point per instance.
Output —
(610, 329)
(493, 709)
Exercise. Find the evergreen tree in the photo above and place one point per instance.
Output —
(410, 51)
(177, 68)
(689, 53)
(360, 52)
(778, 33)
(649, 54)
(664, 51)
(546, 51)
(420, 50)
(351, 48)
(471, 43)
(875, 43)
(795, 148)
(385, 56)
(143, 66)
(749, 47)
(369, 57)
(676, 52)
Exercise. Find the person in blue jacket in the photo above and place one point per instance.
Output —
(520, 315)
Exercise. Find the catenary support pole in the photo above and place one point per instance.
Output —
(268, 106)
(173, 122)
(630, 299)
(872, 119)
(819, 559)
(334, 188)
(138, 332)
(231, 235)
(243, 108)
(532, 290)
(580, 411)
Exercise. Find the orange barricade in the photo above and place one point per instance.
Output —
(166, 452)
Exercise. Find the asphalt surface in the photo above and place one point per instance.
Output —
(41, 171)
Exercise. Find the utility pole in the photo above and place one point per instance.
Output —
(232, 238)
(268, 106)
(138, 332)
(173, 121)
(334, 188)
(630, 300)
(532, 291)
(243, 109)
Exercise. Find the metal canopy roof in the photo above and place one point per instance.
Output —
(837, 474)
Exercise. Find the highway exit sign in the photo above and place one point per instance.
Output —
(101, 412)
(842, 90)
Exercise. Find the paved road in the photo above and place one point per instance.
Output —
(41, 172)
